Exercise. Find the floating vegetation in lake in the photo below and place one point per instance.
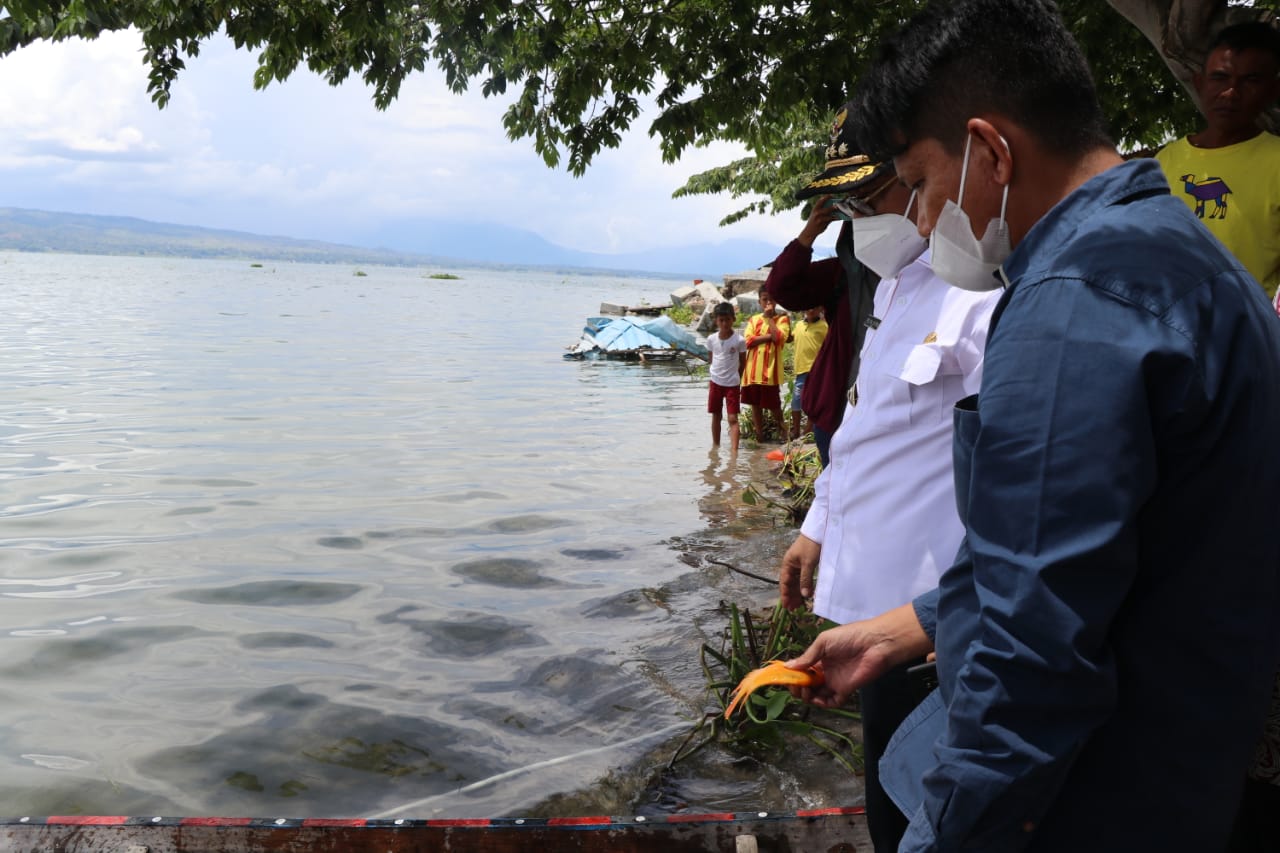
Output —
(772, 717)
(800, 469)
(445, 276)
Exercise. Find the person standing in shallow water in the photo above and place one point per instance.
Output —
(765, 334)
(728, 359)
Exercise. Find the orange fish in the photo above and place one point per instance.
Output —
(774, 672)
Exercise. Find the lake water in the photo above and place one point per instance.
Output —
(294, 541)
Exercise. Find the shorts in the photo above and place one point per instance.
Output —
(797, 395)
(764, 396)
(730, 394)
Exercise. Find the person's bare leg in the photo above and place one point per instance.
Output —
(757, 422)
(715, 428)
(733, 434)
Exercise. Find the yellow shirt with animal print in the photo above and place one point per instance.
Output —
(1235, 191)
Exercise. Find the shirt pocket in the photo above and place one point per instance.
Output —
(913, 392)
(931, 385)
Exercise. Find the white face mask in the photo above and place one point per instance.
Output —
(886, 243)
(959, 258)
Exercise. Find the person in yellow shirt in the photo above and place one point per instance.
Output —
(766, 332)
(1229, 172)
(808, 335)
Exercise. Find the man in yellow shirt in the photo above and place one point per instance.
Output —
(808, 336)
(1229, 173)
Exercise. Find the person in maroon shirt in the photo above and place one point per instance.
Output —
(841, 285)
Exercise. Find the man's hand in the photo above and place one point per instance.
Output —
(858, 653)
(821, 216)
(795, 580)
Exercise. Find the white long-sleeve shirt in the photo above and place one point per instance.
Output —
(884, 510)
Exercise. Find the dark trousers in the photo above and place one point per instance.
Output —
(822, 438)
(886, 702)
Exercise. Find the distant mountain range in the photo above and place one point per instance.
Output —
(413, 243)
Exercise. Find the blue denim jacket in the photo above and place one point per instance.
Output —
(1107, 636)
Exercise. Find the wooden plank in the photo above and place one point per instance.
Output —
(828, 830)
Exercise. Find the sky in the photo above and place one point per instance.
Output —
(304, 159)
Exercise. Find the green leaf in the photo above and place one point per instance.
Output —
(577, 76)
(776, 703)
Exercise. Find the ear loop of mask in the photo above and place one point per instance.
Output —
(964, 173)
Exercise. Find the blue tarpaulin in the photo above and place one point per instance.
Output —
(623, 333)
(678, 336)
(628, 334)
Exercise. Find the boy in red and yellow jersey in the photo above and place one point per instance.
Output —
(766, 332)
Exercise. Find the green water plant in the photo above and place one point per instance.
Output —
(770, 718)
(445, 276)
(697, 368)
(801, 466)
(681, 315)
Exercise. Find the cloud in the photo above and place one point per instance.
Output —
(126, 144)
(306, 159)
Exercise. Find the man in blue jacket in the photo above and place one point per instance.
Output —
(1107, 636)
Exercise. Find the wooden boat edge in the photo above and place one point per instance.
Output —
(836, 830)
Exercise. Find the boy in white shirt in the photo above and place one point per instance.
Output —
(728, 359)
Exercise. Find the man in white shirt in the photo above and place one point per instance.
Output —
(883, 525)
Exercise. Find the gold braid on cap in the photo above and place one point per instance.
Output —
(847, 177)
(854, 161)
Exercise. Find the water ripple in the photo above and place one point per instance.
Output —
(467, 635)
(504, 571)
(64, 656)
(526, 524)
(84, 585)
(273, 593)
(56, 762)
